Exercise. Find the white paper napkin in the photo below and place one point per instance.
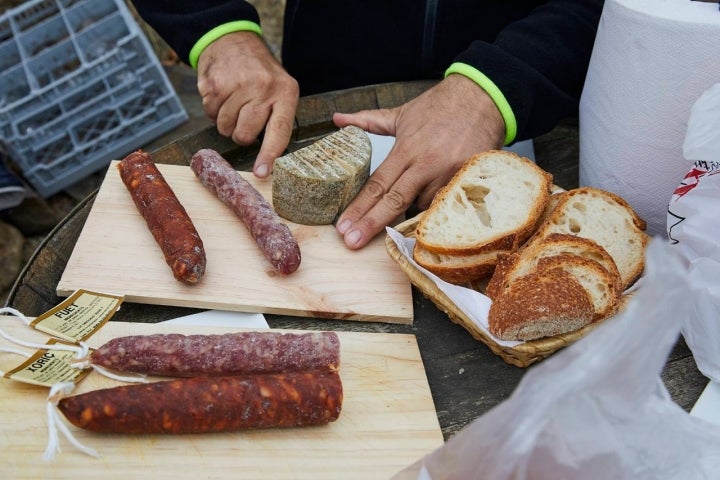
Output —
(222, 318)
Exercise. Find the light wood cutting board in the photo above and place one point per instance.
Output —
(116, 253)
(387, 422)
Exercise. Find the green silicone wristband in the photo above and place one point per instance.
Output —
(219, 31)
(495, 94)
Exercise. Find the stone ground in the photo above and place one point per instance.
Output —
(24, 227)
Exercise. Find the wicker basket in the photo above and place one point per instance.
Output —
(521, 355)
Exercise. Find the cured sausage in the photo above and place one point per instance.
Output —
(209, 404)
(165, 216)
(268, 230)
(177, 355)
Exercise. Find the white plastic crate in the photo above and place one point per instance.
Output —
(79, 86)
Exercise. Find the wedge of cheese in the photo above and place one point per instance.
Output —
(314, 184)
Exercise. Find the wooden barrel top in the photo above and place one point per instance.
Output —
(465, 377)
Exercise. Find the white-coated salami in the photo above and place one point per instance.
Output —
(178, 355)
(268, 230)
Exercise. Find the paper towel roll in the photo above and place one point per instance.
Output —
(651, 61)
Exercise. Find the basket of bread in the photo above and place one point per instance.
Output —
(550, 264)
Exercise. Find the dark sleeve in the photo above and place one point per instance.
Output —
(539, 62)
(181, 23)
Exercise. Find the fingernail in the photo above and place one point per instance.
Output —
(353, 237)
(261, 171)
(344, 226)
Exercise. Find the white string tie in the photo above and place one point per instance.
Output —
(78, 349)
(17, 313)
(55, 423)
(122, 378)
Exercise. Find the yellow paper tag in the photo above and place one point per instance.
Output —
(78, 316)
(48, 367)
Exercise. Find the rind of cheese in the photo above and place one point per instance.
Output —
(314, 184)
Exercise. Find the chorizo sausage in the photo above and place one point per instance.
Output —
(165, 216)
(209, 404)
(268, 230)
(177, 355)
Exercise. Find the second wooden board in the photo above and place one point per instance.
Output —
(387, 422)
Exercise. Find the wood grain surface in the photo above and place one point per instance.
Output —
(115, 253)
(388, 421)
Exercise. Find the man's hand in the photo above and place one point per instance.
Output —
(245, 89)
(435, 134)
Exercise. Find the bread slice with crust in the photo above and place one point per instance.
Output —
(471, 269)
(602, 286)
(606, 219)
(526, 273)
(494, 202)
(457, 269)
(541, 304)
(547, 305)
(526, 258)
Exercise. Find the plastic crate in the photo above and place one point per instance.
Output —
(79, 86)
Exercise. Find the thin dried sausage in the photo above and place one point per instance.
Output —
(178, 355)
(209, 404)
(165, 216)
(268, 230)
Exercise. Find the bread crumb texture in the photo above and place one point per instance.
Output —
(552, 263)
(493, 202)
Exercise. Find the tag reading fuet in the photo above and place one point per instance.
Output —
(78, 316)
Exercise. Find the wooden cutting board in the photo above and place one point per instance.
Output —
(387, 422)
(116, 253)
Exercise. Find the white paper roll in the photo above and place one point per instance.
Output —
(651, 61)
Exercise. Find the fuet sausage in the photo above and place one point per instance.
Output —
(209, 404)
(165, 216)
(268, 230)
(177, 355)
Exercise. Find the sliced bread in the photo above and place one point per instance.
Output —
(494, 202)
(522, 262)
(548, 307)
(457, 269)
(541, 304)
(606, 219)
(596, 240)
(601, 285)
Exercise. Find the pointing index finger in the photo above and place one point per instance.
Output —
(278, 132)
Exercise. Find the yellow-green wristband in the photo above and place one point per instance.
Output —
(219, 31)
(495, 94)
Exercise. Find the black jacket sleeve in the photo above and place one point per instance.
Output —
(181, 23)
(536, 52)
(539, 62)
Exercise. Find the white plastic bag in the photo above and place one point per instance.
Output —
(597, 409)
(694, 229)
